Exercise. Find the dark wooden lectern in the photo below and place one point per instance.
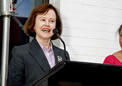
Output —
(73, 73)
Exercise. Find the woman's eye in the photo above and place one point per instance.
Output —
(42, 19)
(52, 21)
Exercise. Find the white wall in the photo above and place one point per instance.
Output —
(89, 27)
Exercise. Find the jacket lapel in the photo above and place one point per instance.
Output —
(58, 55)
(39, 56)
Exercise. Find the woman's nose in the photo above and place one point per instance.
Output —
(47, 23)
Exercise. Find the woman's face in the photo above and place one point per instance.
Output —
(44, 25)
(120, 39)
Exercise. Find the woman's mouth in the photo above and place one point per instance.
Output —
(46, 30)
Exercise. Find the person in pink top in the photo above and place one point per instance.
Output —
(115, 58)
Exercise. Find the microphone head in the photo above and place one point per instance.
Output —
(55, 31)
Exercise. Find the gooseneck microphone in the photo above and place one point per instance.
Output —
(55, 31)
(36, 83)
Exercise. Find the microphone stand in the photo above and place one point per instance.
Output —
(55, 31)
(65, 52)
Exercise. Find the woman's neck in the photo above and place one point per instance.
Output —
(45, 42)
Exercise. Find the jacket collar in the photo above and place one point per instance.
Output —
(38, 54)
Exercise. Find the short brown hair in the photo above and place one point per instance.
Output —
(41, 9)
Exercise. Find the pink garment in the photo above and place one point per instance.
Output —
(111, 59)
(49, 55)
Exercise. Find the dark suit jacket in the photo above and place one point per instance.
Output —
(28, 63)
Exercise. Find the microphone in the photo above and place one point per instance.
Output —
(55, 31)
(36, 83)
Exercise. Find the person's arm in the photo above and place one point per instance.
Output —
(16, 69)
(68, 57)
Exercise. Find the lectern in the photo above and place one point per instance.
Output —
(74, 73)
